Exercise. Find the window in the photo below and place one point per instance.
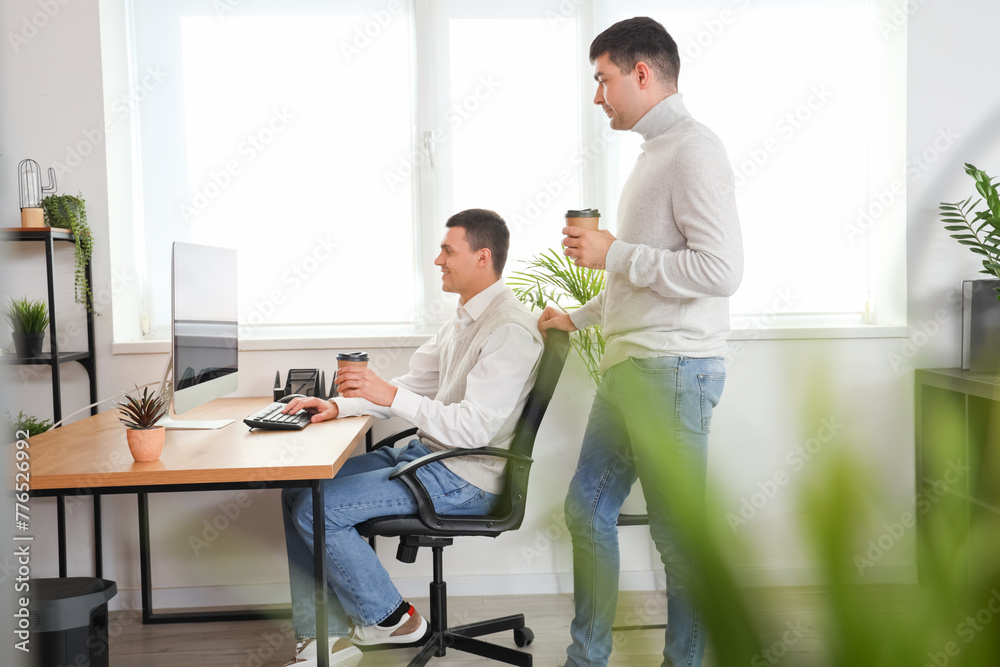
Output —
(328, 143)
(800, 93)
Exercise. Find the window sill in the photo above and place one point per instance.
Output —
(792, 332)
(394, 337)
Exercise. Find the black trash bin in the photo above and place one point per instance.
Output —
(69, 621)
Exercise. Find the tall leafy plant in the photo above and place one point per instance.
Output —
(977, 229)
(552, 279)
(70, 212)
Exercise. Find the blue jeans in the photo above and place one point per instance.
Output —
(358, 585)
(649, 421)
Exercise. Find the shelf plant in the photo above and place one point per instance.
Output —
(28, 318)
(551, 278)
(140, 414)
(70, 212)
(978, 229)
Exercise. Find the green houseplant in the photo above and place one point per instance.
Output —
(26, 424)
(975, 223)
(552, 278)
(70, 212)
(975, 228)
(140, 414)
(29, 319)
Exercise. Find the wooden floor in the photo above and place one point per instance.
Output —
(269, 643)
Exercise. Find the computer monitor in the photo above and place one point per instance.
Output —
(203, 330)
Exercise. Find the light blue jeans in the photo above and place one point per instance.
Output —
(358, 585)
(649, 421)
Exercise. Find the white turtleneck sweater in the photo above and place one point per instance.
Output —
(678, 254)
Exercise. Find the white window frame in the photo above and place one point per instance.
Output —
(886, 240)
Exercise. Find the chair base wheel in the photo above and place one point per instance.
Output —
(523, 637)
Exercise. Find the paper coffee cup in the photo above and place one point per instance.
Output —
(588, 218)
(350, 359)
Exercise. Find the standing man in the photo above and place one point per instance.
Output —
(665, 313)
(466, 388)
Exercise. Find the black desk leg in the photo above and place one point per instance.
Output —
(145, 570)
(98, 544)
(319, 572)
(61, 527)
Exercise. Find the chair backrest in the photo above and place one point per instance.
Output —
(510, 510)
(549, 369)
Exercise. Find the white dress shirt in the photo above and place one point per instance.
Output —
(493, 386)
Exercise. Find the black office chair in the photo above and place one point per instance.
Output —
(429, 529)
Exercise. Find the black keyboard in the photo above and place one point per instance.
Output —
(270, 417)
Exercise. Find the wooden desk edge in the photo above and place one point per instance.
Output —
(153, 476)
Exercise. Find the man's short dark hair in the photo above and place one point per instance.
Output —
(641, 38)
(484, 229)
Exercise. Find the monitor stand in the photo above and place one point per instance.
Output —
(169, 421)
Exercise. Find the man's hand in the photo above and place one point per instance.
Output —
(587, 247)
(321, 410)
(553, 318)
(363, 382)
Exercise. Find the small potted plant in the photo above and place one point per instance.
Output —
(140, 414)
(70, 212)
(28, 319)
(24, 426)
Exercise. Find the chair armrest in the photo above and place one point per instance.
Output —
(410, 467)
(385, 442)
(425, 506)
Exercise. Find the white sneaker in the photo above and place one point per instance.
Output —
(343, 653)
(410, 628)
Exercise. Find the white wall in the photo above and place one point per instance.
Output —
(781, 394)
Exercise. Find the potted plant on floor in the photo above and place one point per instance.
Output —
(140, 414)
(28, 319)
(70, 212)
(979, 230)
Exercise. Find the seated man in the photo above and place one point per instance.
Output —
(466, 388)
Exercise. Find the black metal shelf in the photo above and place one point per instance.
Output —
(55, 358)
(45, 359)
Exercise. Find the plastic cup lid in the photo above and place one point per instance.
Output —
(352, 356)
(584, 213)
